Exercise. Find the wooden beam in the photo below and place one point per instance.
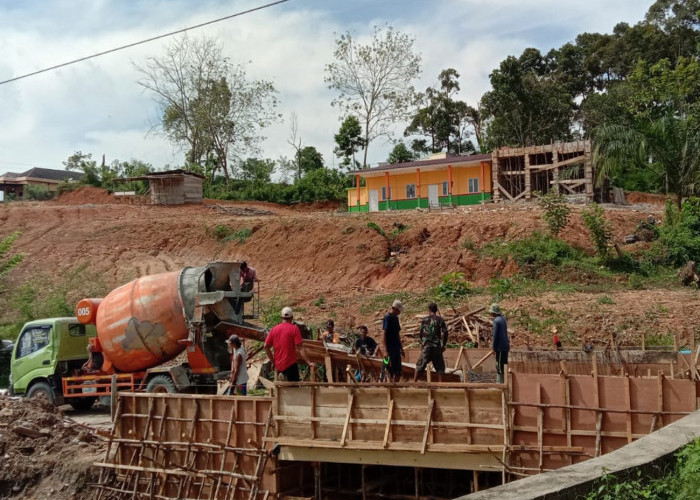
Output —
(347, 419)
(428, 421)
(628, 404)
(387, 429)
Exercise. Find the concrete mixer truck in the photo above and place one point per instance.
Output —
(129, 339)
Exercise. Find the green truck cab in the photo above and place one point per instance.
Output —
(46, 351)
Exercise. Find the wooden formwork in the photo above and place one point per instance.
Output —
(188, 447)
(566, 168)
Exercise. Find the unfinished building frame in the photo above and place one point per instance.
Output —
(563, 167)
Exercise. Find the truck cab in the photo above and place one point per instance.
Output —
(46, 351)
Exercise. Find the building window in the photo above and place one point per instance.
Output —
(474, 185)
(410, 191)
(391, 192)
(445, 188)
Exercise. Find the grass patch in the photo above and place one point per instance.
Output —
(239, 236)
(376, 227)
(606, 299)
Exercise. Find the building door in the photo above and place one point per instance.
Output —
(374, 200)
(433, 195)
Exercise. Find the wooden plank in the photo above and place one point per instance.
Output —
(387, 429)
(598, 433)
(628, 404)
(428, 421)
(467, 414)
(540, 424)
(347, 419)
(660, 398)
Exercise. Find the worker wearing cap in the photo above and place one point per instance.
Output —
(248, 277)
(285, 340)
(391, 341)
(501, 344)
(239, 370)
(433, 338)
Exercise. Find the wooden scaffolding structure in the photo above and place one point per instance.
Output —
(564, 167)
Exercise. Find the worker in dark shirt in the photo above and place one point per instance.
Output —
(433, 338)
(501, 344)
(365, 344)
(391, 340)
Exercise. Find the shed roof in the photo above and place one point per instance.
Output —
(49, 174)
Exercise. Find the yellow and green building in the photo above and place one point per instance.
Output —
(442, 179)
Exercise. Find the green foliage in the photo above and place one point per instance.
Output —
(556, 212)
(534, 253)
(440, 118)
(680, 233)
(453, 286)
(271, 310)
(320, 301)
(8, 261)
(468, 243)
(349, 141)
(400, 154)
(239, 236)
(220, 232)
(606, 299)
(598, 228)
(37, 192)
(682, 482)
(376, 227)
(658, 339)
(310, 159)
(500, 288)
(255, 170)
(399, 228)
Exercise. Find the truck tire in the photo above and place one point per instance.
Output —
(82, 403)
(41, 390)
(161, 383)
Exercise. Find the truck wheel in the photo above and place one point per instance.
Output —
(161, 383)
(82, 403)
(41, 390)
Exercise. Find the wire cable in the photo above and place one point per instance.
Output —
(158, 37)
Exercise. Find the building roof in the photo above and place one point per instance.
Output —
(48, 174)
(178, 171)
(448, 160)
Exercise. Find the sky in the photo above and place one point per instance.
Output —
(97, 107)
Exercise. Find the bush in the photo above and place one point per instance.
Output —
(556, 212)
(37, 192)
(376, 227)
(220, 232)
(598, 227)
(453, 286)
(8, 262)
(680, 233)
(239, 236)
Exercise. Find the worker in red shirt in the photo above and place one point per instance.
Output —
(285, 340)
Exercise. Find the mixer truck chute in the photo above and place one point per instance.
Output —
(144, 325)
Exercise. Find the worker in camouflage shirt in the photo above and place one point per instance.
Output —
(433, 337)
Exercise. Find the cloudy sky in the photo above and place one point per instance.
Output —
(97, 107)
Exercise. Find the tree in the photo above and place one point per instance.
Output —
(401, 154)
(310, 159)
(525, 107)
(207, 104)
(256, 170)
(84, 163)
(295, 141)
(374, 80)
(668, 146)
(349, 141)
(442, 118)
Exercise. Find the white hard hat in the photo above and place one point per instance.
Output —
(398, 305)
(287, 313)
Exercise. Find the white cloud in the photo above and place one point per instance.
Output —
(97, 107)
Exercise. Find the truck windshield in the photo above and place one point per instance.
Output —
(33, 339)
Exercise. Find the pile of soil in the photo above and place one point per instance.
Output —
(635, 197)
(43, 454)
(88, 195)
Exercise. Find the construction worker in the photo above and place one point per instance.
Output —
(501, 344)
(391, 341)
(94, 363)
(239, 370)
(330, 336)
(365, 344)
(248, 277)
(432, 328)
(285, 339)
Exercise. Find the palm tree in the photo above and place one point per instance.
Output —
(669, 145)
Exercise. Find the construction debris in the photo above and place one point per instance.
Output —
(44, 454)
(239, 211)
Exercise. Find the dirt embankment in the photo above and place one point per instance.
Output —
(299, 255)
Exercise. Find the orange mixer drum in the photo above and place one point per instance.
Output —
(139, 324)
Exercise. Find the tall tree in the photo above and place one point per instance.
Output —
(294, 140)
(374, 80)
(310, 159)
(441, 118)
(349, 141)
(256, 170)
(207, 104)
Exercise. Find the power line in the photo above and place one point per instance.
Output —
(237, 14)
